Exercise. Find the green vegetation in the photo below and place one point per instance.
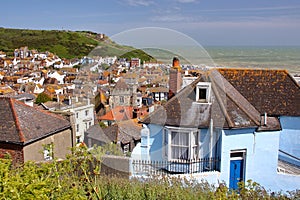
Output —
(78, 177)
(110, 48)
(42, 98)
(65, 44)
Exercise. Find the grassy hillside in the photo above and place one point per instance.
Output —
(66, 44)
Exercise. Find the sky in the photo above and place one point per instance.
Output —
(209, 22)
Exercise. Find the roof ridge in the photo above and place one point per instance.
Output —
(20, 132)
(251, 69)
(231, 92)
(40, 110)
(174, 98)
(293, 79)
(221, 103)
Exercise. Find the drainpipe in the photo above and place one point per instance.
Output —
(211, 137)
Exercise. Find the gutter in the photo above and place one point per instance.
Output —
(39, 138)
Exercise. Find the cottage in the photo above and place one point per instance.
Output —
(228, 125)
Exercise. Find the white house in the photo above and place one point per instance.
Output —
(24, 80)
(38, 80)
(83, 116)
(59, 76)
(38, 88)
(2, 54)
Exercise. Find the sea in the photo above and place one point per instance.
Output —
(275, 57)
(279, 57)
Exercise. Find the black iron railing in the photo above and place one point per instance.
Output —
(150, 167)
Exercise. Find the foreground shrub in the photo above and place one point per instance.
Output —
(78, 177)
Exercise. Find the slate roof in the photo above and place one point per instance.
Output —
(121, 85)
(23, 124)
(272, 91)
(228, 108)
(123, 132)
(96, 132)
(288, 167)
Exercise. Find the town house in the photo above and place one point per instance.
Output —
(228, 125)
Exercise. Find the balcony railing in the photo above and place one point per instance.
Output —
(150, 167)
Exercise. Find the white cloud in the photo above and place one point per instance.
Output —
(139, 2)
(253, 9)
(172, 18)
(187, 1)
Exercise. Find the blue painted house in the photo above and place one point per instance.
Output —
(228, 125)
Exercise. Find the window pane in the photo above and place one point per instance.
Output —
(202, 93)
(180, 152)
(184, 139)
(195, 138)
(175, 138)
(180, 138)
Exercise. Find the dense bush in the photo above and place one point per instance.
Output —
(78, 177)
(42, 98)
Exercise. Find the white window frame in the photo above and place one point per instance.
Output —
(192, 145)
(203, 86)
(48, 151)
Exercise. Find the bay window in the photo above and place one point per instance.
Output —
(180, 143)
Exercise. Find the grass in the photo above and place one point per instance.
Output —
(66, 44)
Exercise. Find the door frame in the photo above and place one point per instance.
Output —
(239, 154)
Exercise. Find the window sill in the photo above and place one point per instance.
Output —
(202, 102)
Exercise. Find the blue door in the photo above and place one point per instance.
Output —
(236, 173)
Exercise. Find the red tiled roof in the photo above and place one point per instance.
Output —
(119, 113)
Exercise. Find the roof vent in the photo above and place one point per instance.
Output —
(265, 119)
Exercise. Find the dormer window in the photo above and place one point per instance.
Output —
(203, 92)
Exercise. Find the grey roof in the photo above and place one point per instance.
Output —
(96, 132)
(26, 96)
(121, 85)
(289, 168)
(23, 124)
(123, 132)
(228, 108)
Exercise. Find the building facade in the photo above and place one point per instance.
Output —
(227, 126)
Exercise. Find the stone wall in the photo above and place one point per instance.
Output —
(115, 166)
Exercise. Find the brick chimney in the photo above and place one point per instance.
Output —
(175, 80)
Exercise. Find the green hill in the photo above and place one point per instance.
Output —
(66, 44)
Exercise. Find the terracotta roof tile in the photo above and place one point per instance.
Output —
(119, 113)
